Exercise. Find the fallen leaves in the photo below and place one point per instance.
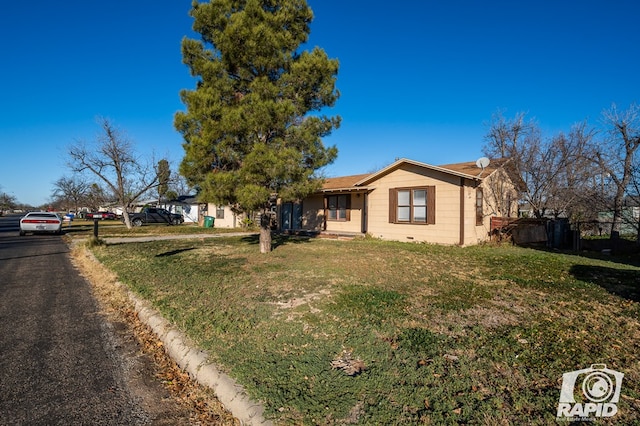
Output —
(347, 363)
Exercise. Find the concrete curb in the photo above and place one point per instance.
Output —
(195, 362)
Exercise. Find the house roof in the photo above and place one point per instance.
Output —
(468, 170)
(343, 183)
(188, 199)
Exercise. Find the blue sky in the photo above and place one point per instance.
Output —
(418, 79)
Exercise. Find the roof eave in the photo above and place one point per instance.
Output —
(346, 189)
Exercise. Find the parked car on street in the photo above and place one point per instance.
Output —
(36, 222)
(101, 215)
(155, 215)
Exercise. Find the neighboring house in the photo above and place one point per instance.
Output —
(195, 212)
(409, 201)
(223, 216)
(629, 222)
(187, 206)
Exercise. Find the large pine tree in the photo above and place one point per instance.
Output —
(253, 126)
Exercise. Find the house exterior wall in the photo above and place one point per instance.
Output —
(501, 199)
(230, 220)
(189, 211)
(313, 213)
(446, 229)
(354, 224)
(457, 220)
(501, 195)
(475, 233)
(313, 218)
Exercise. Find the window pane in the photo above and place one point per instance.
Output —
(332, 203)
(419, 197)
(342, 213)
(403, 214)
(342, 202)
(332, 214)
(403, 198)
(419, 214)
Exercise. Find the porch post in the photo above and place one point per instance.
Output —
(462, 212)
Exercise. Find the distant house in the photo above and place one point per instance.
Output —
(629, 220)
(409, 201)
(223, 216)
(186, 205)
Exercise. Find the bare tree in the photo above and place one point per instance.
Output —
(70, 190)
(555, 172)
(616, 156)
(499, 195)
(96, 197)
(517, 140)
(569, 173)
(179, 185)
(112, 159)
(7, 202)
(504, 136)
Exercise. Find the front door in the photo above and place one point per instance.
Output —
(291, 216)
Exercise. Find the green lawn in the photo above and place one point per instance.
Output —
(115, 228)
(372, 332)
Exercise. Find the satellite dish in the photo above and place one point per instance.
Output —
(482, 162)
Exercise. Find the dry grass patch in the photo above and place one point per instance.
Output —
(447, 334)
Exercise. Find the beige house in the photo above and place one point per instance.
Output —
(223, 216)
(409, 201)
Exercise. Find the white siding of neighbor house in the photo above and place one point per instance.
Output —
(189, 212)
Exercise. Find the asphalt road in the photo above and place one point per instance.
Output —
(61, 362)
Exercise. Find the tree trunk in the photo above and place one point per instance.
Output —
(125, 217)
(265, 233)
(617, 209)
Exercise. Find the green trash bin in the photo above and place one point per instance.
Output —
(208, 221)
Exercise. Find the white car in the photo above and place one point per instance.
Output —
(41, 222)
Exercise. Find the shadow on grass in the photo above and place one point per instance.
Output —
(77, 229)
(632, 259)
(623, 283)
(173, 252)
(88, 229)
(630, 256)
(278, 240)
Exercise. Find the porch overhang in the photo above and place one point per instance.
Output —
(352, 189)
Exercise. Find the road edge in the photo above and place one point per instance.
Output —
(194, 361)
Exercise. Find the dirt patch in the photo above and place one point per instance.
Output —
(455, 323)
(299, 301)
(166, 392)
